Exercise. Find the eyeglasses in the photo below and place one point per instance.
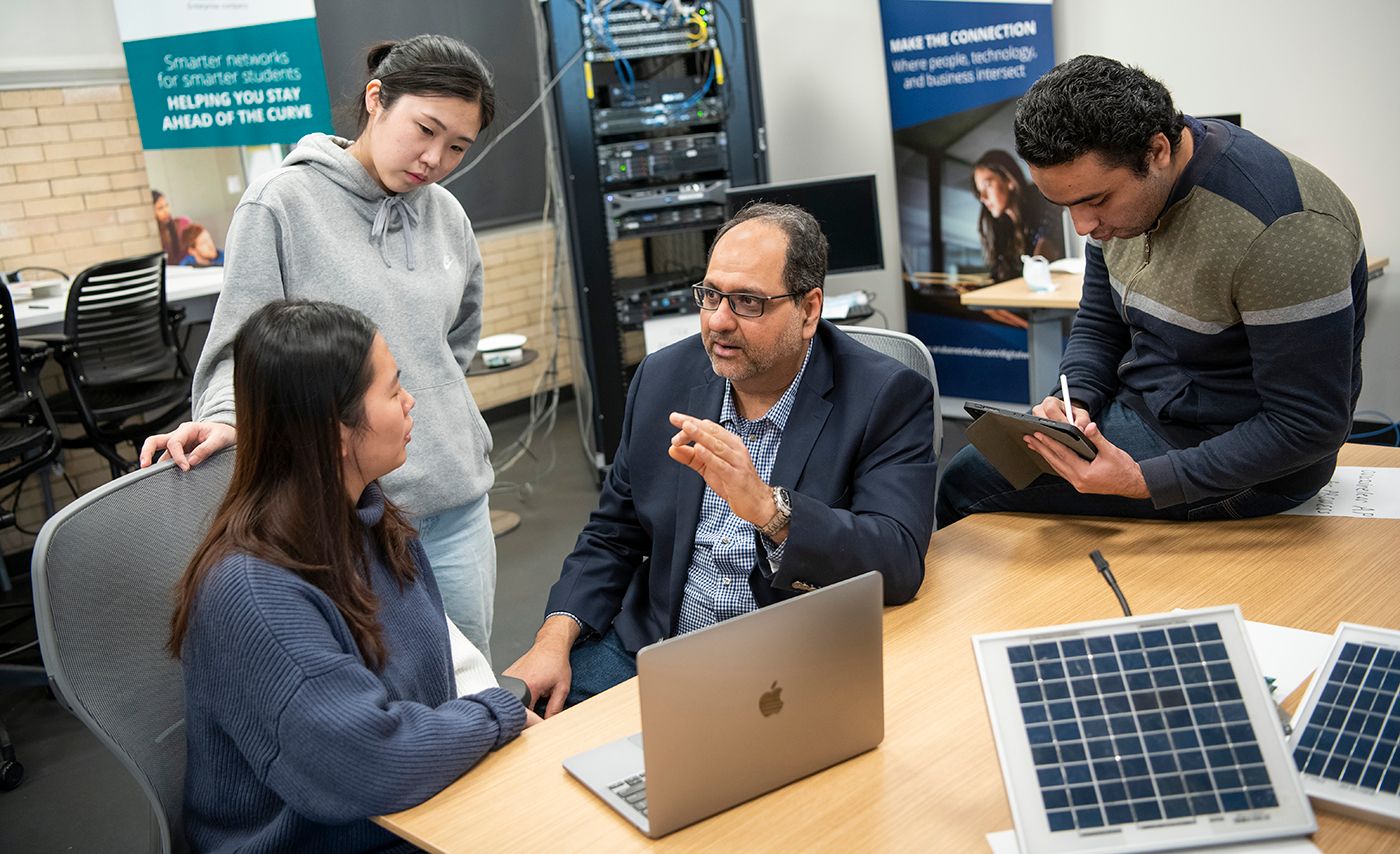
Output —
(743, 305)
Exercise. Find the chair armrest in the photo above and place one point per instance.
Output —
(34, 349)
(33, 353)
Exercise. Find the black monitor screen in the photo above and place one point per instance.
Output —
(846, 209)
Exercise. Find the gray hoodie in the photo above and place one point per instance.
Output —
(321, 228)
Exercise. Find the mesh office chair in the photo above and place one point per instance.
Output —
(104, 568)
(29, 443)
(120, 357)
(911, 352)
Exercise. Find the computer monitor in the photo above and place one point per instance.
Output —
(846, 208)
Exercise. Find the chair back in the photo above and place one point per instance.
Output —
(15, 391)
(117, 322)
(103, 573)
(34, 441)
(912, 353)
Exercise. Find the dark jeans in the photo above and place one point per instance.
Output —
(598, 664)
(971, 485)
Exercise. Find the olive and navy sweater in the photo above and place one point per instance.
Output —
(292, 741)
(1233, 327)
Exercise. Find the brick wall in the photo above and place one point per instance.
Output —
(517, 262)
(73, 191)
(73, 186)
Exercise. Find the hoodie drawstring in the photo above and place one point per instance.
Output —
(378, 232)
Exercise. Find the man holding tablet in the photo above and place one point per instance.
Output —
(1214, 363)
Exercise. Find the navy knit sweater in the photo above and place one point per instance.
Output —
(293, 742)
(1234, 326)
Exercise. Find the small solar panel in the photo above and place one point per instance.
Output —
(1347, 728)
(1139, 734)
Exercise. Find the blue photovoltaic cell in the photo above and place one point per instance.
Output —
(1355, 725)
(1139, 726)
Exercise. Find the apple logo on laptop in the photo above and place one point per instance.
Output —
(772, 701)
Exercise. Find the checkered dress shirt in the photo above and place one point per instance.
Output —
(725, 553)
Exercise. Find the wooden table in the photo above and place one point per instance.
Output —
(1046, 312)
(935, 784)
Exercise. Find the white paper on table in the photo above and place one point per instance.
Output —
(1004, 842)
(1287, 655)
(662, 332)
(1362, 492)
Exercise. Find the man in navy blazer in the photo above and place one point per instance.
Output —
(769, 455)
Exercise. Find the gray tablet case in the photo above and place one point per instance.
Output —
(998, 433)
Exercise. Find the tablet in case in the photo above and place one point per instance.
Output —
(998, 433)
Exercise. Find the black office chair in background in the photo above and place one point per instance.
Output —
(126, 374)
(29, 443)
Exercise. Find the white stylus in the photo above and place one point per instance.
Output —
(1064, 390)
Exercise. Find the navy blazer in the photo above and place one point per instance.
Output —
(856, 456)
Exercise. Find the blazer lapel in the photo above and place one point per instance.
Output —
(705, 401)
(808, 416)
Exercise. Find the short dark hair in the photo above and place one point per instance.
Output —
(430, 65)
(1092, 103)
(804, 267)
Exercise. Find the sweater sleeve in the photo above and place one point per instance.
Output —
(1295, 294)
(253, 277)
(1097, 340)
(347, 752)
(465, 333)
(314, 723)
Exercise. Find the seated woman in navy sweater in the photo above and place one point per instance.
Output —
(318, 674)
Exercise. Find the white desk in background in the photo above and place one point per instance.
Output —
(194, 288)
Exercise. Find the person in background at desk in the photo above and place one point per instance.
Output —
(169, 227)
(318, 670)
(363, 223)
(768, 455)
(199, 247)
(1216, 357)
(1013, 220)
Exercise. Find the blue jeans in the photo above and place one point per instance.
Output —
(462, 551)
(971, 485)
(598, 664)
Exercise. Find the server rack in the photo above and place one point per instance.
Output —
(660, 116)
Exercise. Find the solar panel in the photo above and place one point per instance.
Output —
(1139, 734)
(1346, 730)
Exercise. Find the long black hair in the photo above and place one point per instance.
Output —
(1013, 234)
(430, 65)
(300, 372)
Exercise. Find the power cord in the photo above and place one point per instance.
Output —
(1107, 574)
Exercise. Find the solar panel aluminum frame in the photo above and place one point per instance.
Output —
(1292, 816)
(1334, 795)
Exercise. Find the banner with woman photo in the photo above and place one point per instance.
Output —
(967, 209)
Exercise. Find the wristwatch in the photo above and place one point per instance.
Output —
(781, 516)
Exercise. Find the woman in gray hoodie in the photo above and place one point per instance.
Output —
(363, 223)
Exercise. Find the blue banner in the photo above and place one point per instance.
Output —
(968, 210)
(944, 57)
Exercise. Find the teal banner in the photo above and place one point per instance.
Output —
(243, 86)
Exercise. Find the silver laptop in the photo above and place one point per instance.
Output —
(746, 706)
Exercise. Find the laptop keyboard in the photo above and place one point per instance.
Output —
(633, 790)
